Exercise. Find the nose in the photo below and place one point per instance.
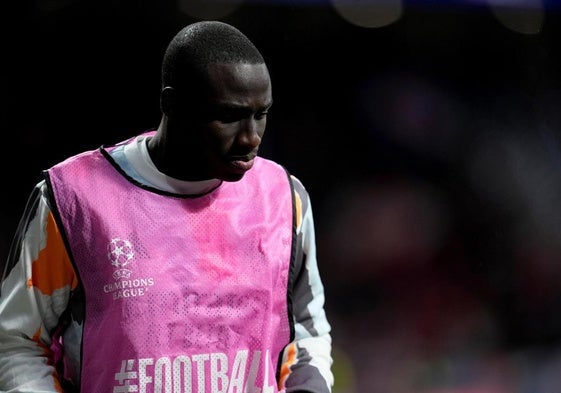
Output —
(251, 132)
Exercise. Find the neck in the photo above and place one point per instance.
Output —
(170, 159)
(156, 146)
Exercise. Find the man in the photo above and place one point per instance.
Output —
(177, 260)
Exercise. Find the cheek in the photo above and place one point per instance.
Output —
(221, 139)
(262, 130)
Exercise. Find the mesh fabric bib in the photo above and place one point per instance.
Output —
(181, 294)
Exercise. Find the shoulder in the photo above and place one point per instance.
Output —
(298, 186)
(300, 193)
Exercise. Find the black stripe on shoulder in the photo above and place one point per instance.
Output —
(291, 271)
(293, 258)
(56, 214)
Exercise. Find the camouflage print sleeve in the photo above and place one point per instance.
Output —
(35, 288)
(307, 360)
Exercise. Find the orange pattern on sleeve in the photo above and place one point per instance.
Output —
(285, 368)
(52, 270)
(298, 203)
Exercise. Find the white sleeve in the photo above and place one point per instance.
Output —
(307, 360)
(31, 302)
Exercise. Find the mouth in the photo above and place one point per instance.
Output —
(242, 163)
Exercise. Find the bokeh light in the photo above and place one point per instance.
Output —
(369, 13)
(521, 16)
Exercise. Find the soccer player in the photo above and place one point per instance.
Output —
(178, 260)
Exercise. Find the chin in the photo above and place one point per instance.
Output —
(233, 177)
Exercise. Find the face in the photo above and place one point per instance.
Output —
(223, 123)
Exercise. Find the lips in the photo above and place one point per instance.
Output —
(244, 165)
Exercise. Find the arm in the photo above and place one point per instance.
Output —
(35, 289)
(307, 360)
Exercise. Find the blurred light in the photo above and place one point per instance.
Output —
(369, 13)
(208, 9)
(513, 171)
(521, 16)
(385, 224)
(413, 112)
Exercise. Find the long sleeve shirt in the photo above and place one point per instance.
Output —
(40, 289)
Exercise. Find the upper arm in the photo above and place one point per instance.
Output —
(35, 290)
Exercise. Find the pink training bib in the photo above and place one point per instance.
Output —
(182, 294)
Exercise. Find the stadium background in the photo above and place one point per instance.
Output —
(427, 133)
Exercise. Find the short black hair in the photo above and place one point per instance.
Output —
(202, 43)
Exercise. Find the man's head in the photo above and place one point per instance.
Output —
(216, 91)
(199, 44)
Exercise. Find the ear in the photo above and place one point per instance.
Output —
(168, 100)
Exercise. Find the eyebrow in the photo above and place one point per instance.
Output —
(242, 107)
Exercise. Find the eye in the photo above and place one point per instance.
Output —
(235, 114)
(261, 114)
(229, 115)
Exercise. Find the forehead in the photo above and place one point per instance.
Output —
(239, 81)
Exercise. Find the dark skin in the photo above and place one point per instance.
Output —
(213, 131)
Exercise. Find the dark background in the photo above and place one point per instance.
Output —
(429, 146)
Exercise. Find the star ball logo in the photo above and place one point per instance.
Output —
(120, 253)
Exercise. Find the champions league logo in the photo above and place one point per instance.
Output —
(120, 253)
